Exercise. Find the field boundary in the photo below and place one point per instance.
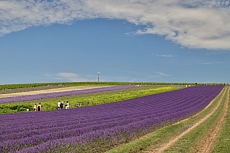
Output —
(206, 144)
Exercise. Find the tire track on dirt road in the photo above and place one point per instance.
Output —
(162, 147)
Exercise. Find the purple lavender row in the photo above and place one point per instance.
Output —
(100, 134)
(85, 120)
(61, 94)
(91, 125)
(21, 123)
(76, 118)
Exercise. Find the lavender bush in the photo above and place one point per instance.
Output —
(98, 128)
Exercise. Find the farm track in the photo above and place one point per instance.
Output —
(48, 91)
(206, 145)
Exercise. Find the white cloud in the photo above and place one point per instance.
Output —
(163, 74)
(217, 52)
(159, 74)
(193, 24)
(166, 55)
(68, 76)
(207, 63)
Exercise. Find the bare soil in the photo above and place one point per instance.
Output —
(206, 144)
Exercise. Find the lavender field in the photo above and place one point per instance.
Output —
(62, 94)
(99, 128)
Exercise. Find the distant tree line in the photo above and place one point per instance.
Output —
(65, 84)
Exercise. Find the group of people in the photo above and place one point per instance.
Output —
(67, 105)
(61, 105)
(37, 107)
(80, 104)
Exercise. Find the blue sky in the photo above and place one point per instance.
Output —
(140, 41)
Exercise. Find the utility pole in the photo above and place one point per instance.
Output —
(98, 78)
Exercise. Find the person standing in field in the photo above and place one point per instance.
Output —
(39, 107)
(35, 107)
(67, 105)
(59, 105)
(88, 102)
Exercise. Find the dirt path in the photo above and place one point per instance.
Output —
(206, 145)
(48, 91)
(161, 148)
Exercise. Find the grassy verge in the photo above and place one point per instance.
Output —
(152, 140)
(188, 142)
(223, 141)
(95, 98)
